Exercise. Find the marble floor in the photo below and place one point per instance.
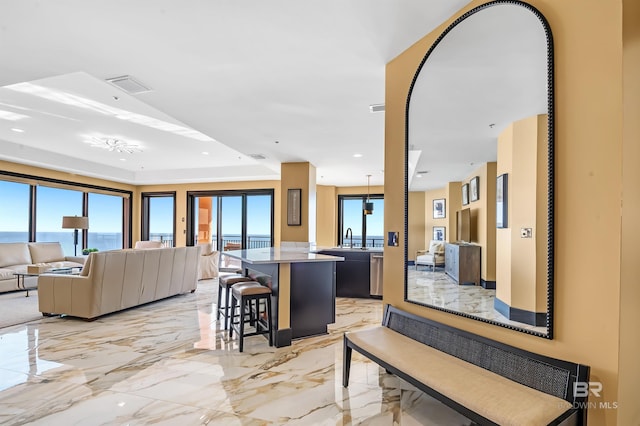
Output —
(438, 289)
(169, 363)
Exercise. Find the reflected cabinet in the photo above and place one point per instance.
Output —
(462, 263)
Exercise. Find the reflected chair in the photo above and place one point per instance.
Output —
(433, 257)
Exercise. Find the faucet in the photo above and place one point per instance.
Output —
(349, 234)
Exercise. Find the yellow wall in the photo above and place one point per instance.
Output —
(303, 176)
(522, 266)
(453, 193)
(416, 225)
(589, 124)
(483, 214)
(504, 236)
(428, 215)
(630, 230)
(327, 224)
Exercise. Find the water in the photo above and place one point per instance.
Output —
(112, 240)
(100, 240)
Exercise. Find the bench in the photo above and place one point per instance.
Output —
(487, 381)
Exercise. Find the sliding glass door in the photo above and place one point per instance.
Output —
(231, 220)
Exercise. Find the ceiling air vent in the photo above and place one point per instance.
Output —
(376, 107)
(257, 156)
(129, 84)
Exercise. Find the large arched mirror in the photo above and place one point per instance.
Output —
(480, 137)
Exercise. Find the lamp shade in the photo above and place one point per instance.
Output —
(75, 222)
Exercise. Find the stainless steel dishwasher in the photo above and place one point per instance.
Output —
(375, 277)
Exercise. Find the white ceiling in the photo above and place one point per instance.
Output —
(487, 72)
(228, 77)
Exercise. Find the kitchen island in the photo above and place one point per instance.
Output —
(303, 288)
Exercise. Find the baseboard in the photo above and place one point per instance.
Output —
(283, 337)
(489, 285)
(538, 319)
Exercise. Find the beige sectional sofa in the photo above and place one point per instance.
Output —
(119, 279)
(15, 257)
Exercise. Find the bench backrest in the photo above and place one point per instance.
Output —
(548, 375)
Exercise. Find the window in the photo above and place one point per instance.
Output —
(105, 222)
(31, 209)
(365, 230)
(14, 211)
(51, 205)
(158, 217)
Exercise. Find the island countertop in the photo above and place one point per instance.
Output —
(279, 255)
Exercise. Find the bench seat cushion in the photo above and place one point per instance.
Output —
(497, 398)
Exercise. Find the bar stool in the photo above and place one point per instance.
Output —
(245, 294)
(226, 282)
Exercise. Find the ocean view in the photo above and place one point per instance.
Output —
(111, 240)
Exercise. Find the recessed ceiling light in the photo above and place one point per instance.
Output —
(123, 159)
(205, 153)
(357, 155)
(15, 129)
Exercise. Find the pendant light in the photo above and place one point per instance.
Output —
(368, 205)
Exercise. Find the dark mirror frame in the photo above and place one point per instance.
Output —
(550, 166)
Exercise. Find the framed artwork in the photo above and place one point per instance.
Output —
(439, 233)
(294, 204)
(465, 194)
(474, 194)
(502, 205)
(439, 211)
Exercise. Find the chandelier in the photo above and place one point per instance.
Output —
(115, 145)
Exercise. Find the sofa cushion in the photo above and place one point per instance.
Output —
(46, 252)
(14, 254)
(149, 244)
(435, 246)
(6, 274)
(87, 265)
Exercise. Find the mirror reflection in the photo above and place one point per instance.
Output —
(478, 149)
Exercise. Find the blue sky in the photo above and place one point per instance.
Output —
(105, 212)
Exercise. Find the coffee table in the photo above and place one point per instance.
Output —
(20, 276)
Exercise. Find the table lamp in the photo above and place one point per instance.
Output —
(75, 223)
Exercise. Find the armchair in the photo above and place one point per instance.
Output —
(433, 257)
